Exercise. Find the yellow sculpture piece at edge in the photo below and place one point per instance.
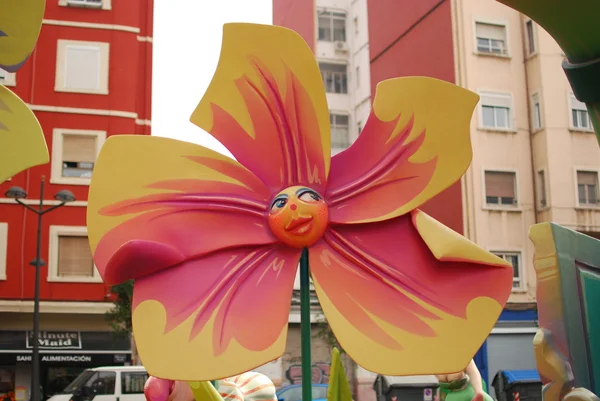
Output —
(204, 391)
(339, 389)
(20, 25)
(22, 143)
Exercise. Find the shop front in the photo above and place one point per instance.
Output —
(63, 356)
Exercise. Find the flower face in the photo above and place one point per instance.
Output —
(298, 216)
(214, 243)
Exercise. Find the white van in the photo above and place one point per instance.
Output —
(111, 383)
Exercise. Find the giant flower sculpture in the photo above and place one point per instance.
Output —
(22, 143)
(213, 244)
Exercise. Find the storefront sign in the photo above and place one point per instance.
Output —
(57, 358)
(69, 359)
(55, 340)
(71, 348)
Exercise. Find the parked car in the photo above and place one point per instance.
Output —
(110, 383)
(294, 392)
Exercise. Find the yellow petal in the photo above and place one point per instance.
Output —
(20, 23)
(415, 144)
(22, 142)
(448, 245)
(267, 98)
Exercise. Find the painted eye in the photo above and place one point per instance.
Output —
(278, 204)
(309, 196)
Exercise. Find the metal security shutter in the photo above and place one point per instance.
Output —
(509, 352)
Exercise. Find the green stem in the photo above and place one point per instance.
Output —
(305, 332)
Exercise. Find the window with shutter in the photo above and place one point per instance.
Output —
(496, 110)
(335, 77)
(74, 155)
(74, 257)
(580, 118)
(542, 189)
(491, 38)
(91, 4)
(500, 188)
(70, 257)
(340, 130)
(331, 26)
(587, 188)
(530, 37)
(514, 258)
(536, 111)
(79, 155)
(7, 78)
(82, 67)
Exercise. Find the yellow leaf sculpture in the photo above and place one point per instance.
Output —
(22, 143)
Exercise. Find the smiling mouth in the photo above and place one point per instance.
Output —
(299, 226)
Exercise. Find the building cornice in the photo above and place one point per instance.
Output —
(84, 308)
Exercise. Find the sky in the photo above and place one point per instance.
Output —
(190, 31)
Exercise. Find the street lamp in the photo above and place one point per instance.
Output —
(64, 196)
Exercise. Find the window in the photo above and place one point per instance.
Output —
(357, 77)
(7, 78)
(332, 26)
(86, 3)
(335, 77)
(292, 394)
(103, 4)
(339, 130)
(3, 249)
(133, 382)
(530, 37)
(514, 258)
(103, 383)
(359, 125)
(500, 188)
(496, 111)
(356, 25)
(74, 154)
(536, 111)
(82, 67)
(587, 188)
(541, 177)
(70, 256)
(491, 38)
(580, 118)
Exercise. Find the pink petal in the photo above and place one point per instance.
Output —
(249, 288)
(164, 238)
(381, 268)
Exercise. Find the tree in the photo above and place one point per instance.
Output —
(119, 317)
(324, 332)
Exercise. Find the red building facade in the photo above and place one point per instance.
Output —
(88, 78)
(416, 40)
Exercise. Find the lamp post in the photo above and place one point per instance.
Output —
(64, 196)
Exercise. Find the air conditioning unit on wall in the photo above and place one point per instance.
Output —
(341, 47)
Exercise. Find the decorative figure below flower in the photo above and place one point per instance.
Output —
(213, 244)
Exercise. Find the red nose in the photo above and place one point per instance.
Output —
(293, 206)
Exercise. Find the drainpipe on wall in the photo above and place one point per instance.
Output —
(531, 128)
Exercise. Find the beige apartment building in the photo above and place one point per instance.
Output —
(536, 157)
